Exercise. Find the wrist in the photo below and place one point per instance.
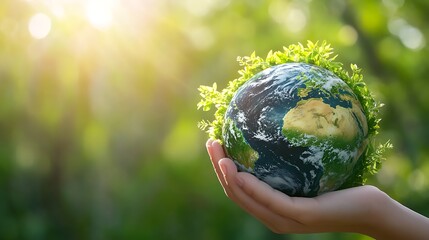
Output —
(391, 220)
(375, 220)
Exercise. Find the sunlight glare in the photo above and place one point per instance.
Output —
(39, 26)
(99, 13)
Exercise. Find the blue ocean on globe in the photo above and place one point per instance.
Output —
(297, 127)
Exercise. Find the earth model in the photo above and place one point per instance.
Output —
(297, 127)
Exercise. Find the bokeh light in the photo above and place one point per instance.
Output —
(39, 25)
(292, 16)
(296, 19)
(201, 37)
(409, 35)
(347, 35)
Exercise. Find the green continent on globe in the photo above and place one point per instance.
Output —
(298, 127)
(238, 148)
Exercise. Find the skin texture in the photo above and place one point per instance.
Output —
(366, 209)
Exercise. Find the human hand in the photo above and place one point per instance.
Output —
(364, 209)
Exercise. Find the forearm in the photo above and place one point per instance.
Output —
(395, 221)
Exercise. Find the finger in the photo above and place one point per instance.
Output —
(296, 208)
(243, 200)
(209, 144)
(320, 214)
(216, 153)
(209, 148)
(270, 218)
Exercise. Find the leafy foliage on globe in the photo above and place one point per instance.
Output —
(298, 121)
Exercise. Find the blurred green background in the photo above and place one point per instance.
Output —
(98, 136)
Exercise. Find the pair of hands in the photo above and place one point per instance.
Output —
(365, 209)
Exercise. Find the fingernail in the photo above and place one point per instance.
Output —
(209, 144)
(216, 142)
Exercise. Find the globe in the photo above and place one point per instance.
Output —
(298, 127)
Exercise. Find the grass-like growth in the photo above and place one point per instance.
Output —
(321, 55)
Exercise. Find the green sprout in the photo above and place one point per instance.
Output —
(321, 55)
